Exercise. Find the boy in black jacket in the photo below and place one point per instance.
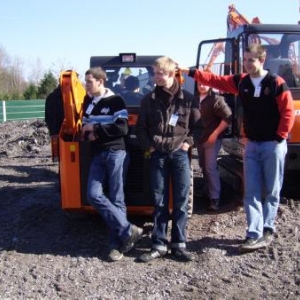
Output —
(105, 124)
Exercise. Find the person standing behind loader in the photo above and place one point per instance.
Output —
(215, 118)
(131, 94)
(268, 117)
(165, 131)
(105, 124)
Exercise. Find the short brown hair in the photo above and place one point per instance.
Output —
(257, 49)
(97, 72)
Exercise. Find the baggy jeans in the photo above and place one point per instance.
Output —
(208, 154)
(107, 170)
(263, 175)
(164, 166)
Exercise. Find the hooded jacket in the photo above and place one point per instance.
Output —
(110, 118)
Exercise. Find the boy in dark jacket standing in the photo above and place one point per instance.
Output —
(105, 124)
(165, 130)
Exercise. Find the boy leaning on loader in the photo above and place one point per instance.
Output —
(105, 125)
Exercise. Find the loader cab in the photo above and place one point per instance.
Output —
(129, 75)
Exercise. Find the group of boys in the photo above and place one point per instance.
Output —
(166, 125)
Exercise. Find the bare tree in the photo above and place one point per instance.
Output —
(4, 63)
(18, 83)
(11, 75)
(61, 65)
(36, 72)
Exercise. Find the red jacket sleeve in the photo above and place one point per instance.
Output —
(223, 83)
(286, 109)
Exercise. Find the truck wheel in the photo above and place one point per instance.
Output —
(191, 195)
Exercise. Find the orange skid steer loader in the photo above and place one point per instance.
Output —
(74, 154)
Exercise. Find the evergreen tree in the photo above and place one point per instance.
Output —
(30, 92)
(47, 85)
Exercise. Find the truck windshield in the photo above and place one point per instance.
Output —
(282, 55)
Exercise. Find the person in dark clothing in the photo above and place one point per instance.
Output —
(268, 117)
(165, 131)
(105, 124)
(215, 118)
(131, 92)
(132, 84)
(54, 111)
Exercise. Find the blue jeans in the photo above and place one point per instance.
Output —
(208, 154)
(107, 171)
(163, 166)
(263, 175)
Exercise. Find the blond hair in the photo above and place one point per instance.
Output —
(165, 63)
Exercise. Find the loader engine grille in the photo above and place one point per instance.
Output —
(137, 181)
(137, 184)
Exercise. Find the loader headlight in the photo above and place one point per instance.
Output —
(127, 57)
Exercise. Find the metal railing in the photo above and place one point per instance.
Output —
(14, 110)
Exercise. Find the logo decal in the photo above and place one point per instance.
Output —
(105, 110)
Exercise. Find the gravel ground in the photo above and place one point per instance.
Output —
(47, 253)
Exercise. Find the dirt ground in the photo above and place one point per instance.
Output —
(46, 253)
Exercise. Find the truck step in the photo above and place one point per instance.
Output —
(231, 172)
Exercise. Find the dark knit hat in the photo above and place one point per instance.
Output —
(132, 83)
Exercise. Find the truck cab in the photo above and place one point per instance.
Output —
(282, 43)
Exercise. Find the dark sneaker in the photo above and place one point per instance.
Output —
(214, 204)
(136, 234)
(268, 236)
(182, 254)
(115, 255)
(153, 254)
(252, 244)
